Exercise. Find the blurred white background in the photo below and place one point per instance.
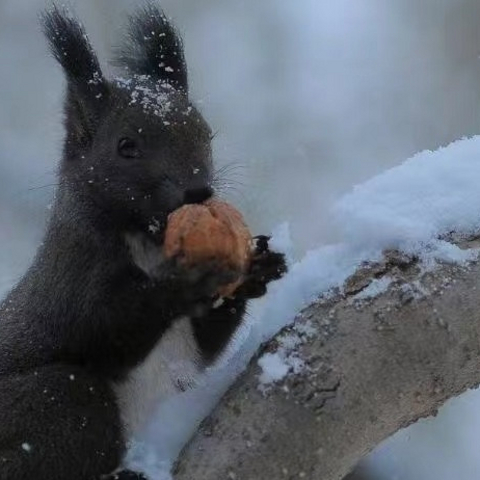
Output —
(309, 98)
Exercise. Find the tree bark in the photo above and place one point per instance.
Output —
(373, 367)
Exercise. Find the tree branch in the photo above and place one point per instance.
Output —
(373, 367)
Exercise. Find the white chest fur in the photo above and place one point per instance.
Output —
(171, 366)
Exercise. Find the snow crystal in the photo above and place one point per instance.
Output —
(154, 226)
(27, 447)
(154, 97)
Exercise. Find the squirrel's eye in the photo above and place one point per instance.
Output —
(128, 148)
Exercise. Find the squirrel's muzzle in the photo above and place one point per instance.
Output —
(198, 194)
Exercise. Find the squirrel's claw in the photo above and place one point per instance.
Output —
(266, 267)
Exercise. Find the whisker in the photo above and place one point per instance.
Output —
(230, 178)
(229, 190)
(226, 169)
(49, 185)
(226, 178)
(214, 135)
(32, 189)
(229, 164)
(222, 183)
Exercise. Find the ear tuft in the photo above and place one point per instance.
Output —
(70, 46)
(154, 48)
(87, 89)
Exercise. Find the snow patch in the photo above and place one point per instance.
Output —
(143, 457)
(376, 287)
(410, 206)
(277, 365)
(274, 367)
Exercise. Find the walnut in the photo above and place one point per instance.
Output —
(212, 231)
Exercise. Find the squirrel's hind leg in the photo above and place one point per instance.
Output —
(58, 422)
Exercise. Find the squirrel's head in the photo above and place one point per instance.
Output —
(135, 146)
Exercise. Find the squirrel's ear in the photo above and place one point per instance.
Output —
(154, 48)
(87, 88)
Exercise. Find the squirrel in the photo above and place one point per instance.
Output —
(100, 326)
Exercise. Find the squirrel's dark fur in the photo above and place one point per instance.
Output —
(100, 310)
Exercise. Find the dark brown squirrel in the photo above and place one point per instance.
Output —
(99, 315)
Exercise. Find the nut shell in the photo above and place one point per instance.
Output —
(212, 231)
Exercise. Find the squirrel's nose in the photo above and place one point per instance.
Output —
(197, 195)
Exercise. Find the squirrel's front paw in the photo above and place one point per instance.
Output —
(266, 266)
(196, 287)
